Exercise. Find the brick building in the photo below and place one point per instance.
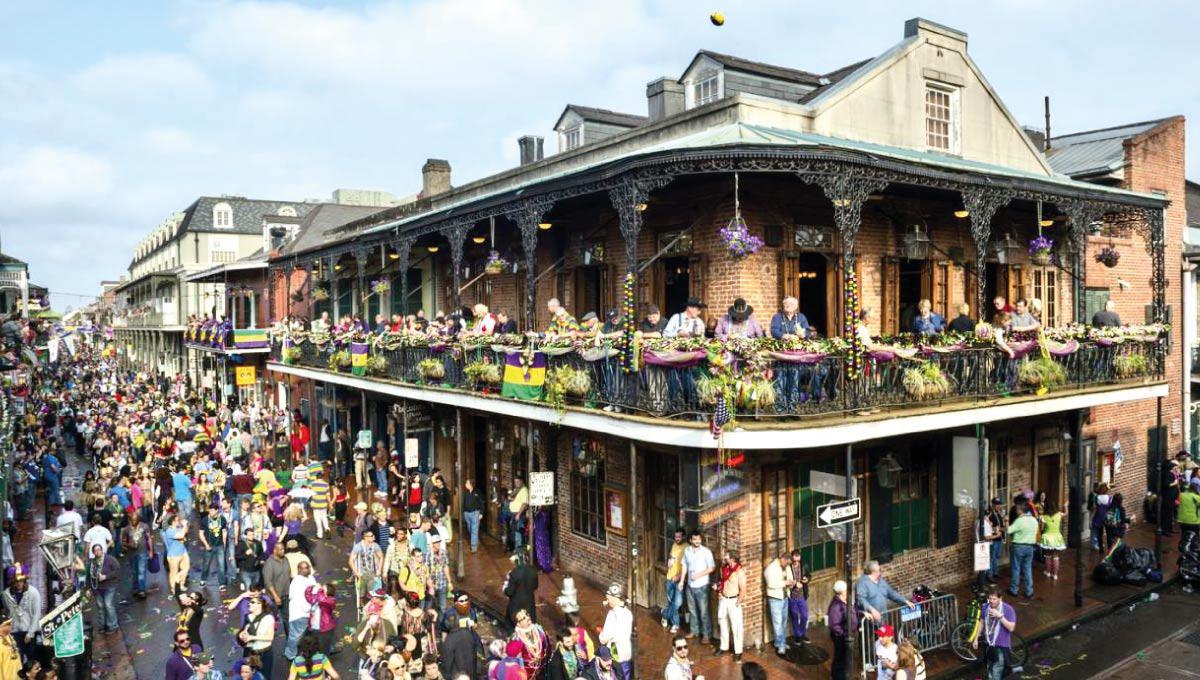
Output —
(894, 180)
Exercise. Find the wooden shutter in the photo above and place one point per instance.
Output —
(939, 286)
(788, 266)
(698, 276)
(881, 516)
(889, 314)
(650, 289)
(1016, 283)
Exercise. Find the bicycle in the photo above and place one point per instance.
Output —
(964, 640)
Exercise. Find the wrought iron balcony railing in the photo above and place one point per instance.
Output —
(762, 385)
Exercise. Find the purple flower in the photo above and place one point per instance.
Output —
(737, 238)
(1040, 244)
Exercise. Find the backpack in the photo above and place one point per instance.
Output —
(1112, 518)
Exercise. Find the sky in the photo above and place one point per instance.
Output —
(114, 115)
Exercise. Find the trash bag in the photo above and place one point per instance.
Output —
(1107, 574)
(1154, 575)
(1134, 578)
(1128, 559)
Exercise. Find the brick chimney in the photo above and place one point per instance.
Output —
(435, 177)
(531, 149)
(664, 98)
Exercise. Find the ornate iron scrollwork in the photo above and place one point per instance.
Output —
(456, 234)
(626, 198)
(982, 204)
(847, 191)
(1081, 214)
(528, 215)
(403, 248)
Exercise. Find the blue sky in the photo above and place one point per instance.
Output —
(113, 115)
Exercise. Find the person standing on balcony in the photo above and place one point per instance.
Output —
(790, 324)
(652, 324)
(738, 322)
(485, 321)
(1023, 534)
(688, 323)
(873, 592)
(698, 565)
(1022, 319)
(561, 321)
(926, 322)
(999, 304)
(963, 323)
(590, 324)
(505, 325)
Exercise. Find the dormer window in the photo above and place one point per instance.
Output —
(223, 216)
(286, 211)
(571, 138)
(941, 118)
(707, 90)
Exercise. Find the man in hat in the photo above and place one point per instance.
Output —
(738, 322)
(521, 588)
(990, 527)
(203, 665)
(181, 663)
(24, 603)
(688, 323)
(617, 630)
(602, 667)
(590, 324)
(561, 321)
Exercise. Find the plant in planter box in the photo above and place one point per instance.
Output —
(482, 373)
(431, 369)
(377, 365)
(757, 394)
(291, 355)
(1041, 373)
(565, 381)
(926, 381)
(1131, 365)
(340, 360)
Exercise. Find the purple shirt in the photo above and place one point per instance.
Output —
(749, 328)
(997, 634)
(179, 668)
(841, 619)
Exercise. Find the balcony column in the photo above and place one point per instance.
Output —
(331, 272)
(529, 216)
(982, 204)
(848, 192)
(404, 252)
(629, 198)
(359, 301)
(456, 234)
(308, 303)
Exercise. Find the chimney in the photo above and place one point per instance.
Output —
(1037, 137)
(664, 98)
(435, 177)
(531, 149)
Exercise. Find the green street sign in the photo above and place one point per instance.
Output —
(68, 638)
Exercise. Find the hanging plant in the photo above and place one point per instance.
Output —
(756, 395)
(495, 264)
(319, 294)
(926, 381)
(297, 297)
(431, 369)
(1040, 250)
(1042, 374)
(291, 355)
(736, 235)
(339, 360)
(380, 286)
(1108, 256)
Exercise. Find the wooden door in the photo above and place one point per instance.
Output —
(788, 267)
(1049, 477)
(935, 286)
(660, 510)
(889, 279)
(698, 283)
(1015, 283)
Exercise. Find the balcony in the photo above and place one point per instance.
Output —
(147, 320)
(759, 380)
(224, 338)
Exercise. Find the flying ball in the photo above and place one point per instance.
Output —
(717, 19)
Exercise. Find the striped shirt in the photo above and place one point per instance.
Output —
(320, 495)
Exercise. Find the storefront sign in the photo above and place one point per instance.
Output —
(64, 626)
(420, 416)
(412, 453)
(541, 488)
(615, 502)
(721, 512)
(832, 485)
(244, 376)
(721, 478)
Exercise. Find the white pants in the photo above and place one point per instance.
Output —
(729, 616)
(362, 478)
(321, 519)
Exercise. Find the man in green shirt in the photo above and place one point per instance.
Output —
(1022, 534)
(1188, 513)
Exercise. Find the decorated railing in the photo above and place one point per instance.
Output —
(223, 336)
(753, 378)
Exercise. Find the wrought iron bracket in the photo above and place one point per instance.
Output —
(848, 192)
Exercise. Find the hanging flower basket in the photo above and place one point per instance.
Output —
(380, 286)
(1108, 256)
(495, 264)
(1040, 250)
(320, 294)
(737, 237)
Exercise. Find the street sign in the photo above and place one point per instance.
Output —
(541, 488)
(64, 625)
(244, 376)
(832, 485)
(839, 512)
(412, 453)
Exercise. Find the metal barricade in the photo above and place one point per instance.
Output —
(928, 626)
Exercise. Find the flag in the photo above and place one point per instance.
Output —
(250, 338)
(524, 375)
(358, 358)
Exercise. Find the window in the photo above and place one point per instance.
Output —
(775, 507)
(572, 137)
(222, 216)
(816, 548)
(910, 508)
(1045, 288)
(286, 211)
(941, 119)
(707, 90)
(587, 503)
(941, 292)
(222, 249)
(998, 469)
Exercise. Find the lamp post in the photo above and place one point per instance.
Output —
(58, 546)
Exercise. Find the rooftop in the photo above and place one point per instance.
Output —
(1095, 152)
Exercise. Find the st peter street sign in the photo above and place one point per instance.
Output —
(840, 512)
(64, 626)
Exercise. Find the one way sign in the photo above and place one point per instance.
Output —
(837, 513)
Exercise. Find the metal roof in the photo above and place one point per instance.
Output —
(1095, 152)
(744, 134)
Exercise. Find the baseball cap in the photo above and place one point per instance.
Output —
(603, 652)
(885, 631)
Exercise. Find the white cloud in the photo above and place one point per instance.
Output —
(168, 140)
(143, 78)
(44, 176)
